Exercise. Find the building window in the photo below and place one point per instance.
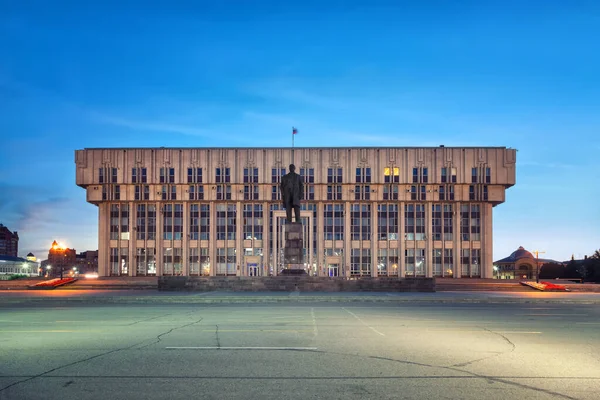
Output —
(464, 223)
(114, 222)
(465, 262)
(473, 175)
(100, 175)
(448, 262)
(475, 222)
(250, 175)
(360, 221)
(117, 193)
(453, 175)
(194, 175)
(334, 175)
(138, 175)
(114, 175)
(363, 175)
(444, 175)
(226, 221)
(140, 228)
(471, 192)
(199, 221)
(226, 261)
(436, 222)
(114, 261)
(253, 222)
(420, 265)
(424, 175)
(485, 193)
(448, 222)
(391, 175)
(199, 261)
(167, 261)
(333, 221)
(387, 262)
(390, 192)
(196, 192)
(387, 221)
(124, 221)
(142, 192)
(308, 176)
(124, 261)
(423, 194)
(362, 192)
(277, 174)
(414, 221)
(488, 175)
(409, 262)
(436, 261)
(446, 192)
(145, 261)
(475, 262)
(223, 192)
(169, 192)
(360, 262)
(172, 221)
(334, 192)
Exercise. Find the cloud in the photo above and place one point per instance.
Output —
(544, 164)
(156, 126)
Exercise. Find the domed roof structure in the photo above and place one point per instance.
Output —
(517, 255)
(520, 253)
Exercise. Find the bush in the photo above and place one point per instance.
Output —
(552, 271)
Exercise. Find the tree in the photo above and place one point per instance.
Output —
(573, 270)
(592, 267)
(552, 271)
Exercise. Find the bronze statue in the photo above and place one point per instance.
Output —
(292, 191)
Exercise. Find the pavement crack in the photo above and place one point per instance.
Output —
(160, 336)
(507, 340)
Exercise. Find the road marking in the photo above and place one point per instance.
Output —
(314, 321)
(238, 348)
(259, 330)
(555, 315)
(46, 331)
(363, 322)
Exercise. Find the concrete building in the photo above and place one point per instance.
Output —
(367, 211)
(9, 242)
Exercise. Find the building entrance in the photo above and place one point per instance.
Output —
(333, 270)
(253, 269)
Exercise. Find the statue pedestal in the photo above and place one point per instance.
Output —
(293, 256)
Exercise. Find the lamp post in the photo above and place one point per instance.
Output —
(537, 265)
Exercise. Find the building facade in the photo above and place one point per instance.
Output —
(9, 242)
(366, 211)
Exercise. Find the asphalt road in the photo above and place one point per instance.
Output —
(337, 350)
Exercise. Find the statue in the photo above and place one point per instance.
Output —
(292, 191)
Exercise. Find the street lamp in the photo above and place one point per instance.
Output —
(537, 265)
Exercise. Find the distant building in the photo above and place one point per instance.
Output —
(10, 265)
(521, 264)
(87, 261)
(367, 211)
(31, 257)
(9, 242)
(60, 260)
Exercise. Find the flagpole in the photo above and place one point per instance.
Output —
(293, 129)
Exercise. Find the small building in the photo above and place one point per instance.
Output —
(10, 265)
(521, 264)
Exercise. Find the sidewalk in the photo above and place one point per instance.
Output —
(111, 297)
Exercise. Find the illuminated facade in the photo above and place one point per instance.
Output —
(367, 211)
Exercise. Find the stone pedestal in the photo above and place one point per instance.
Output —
(293, 251)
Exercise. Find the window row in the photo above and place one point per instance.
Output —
(334, 175)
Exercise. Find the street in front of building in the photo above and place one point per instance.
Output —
(337, 349)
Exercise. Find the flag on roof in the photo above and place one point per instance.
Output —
(294, 131)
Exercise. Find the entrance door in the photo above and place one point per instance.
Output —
(252, 270)
(333, 270)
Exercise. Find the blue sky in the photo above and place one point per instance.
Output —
(350, 73)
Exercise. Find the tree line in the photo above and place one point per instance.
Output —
(587, 270)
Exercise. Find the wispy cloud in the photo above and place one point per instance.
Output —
(155, 126)
(544, 164)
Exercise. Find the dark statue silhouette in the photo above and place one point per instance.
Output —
(292, 191)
